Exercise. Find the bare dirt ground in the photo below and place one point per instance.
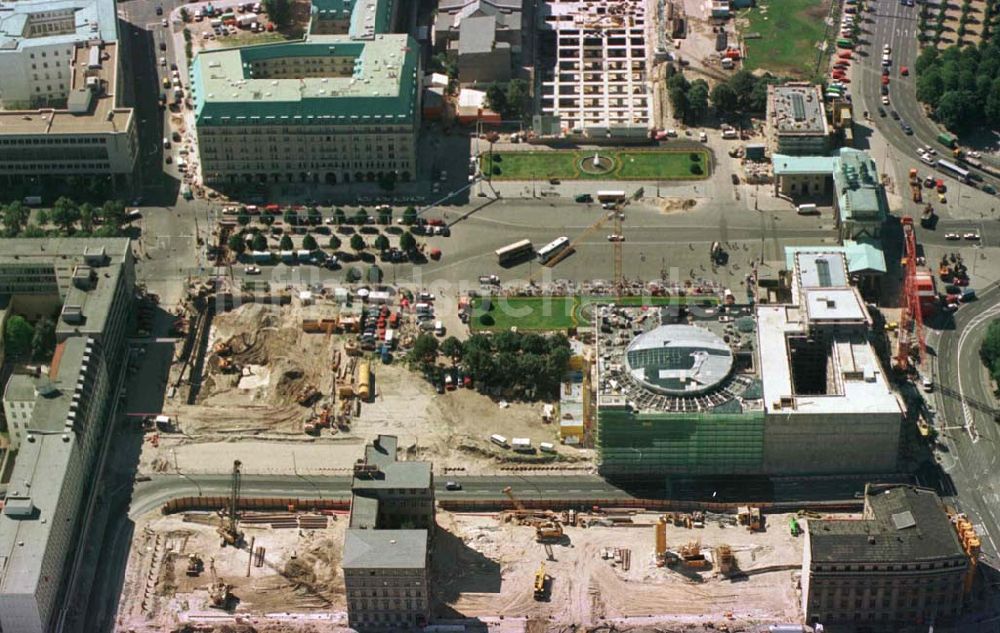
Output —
(253, 415)
(482, 568)
(485, 569)
(300, 575)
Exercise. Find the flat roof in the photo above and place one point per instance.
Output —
(38, 478)
(384, 549)
(381, 89)
(905, 525)
(860, 194)
(786, 165)
(102, 115)
(91, 19)
(862, 256)
(833, 304)
(862, 384)
(821, 270)
(796, 109)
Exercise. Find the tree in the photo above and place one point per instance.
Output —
(425, 349)
(957, 109)
(410, 216)
(280, 12)
(309, 243)
(353, 275)
(697, 97)
(291, 217)
(259, 243)
(743, 83)
(361, 216)
(496, 99)
(989, 352)
(43, 342)
(33, 230)
(381, 243)
(385, 215)
(315, 216)
(452, 348)
(113, 213)
(518, 98)
(237, 244)
(724, 98)
(339, 216)
(334, 242)
(243, 219)
(678, 103)
(286, 243)
(267, 219)
(42, 217)
(15, 216)
(65, 213)
(87, 217)
(407, 242)
(930, 86)
(357, 243)
(17, 336)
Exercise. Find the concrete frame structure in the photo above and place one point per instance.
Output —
(63, 57)
(901, 564)
(796, 118)
(331, 108)
(74, 405)
(386, 559)
(599, 86)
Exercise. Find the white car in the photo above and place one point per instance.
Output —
(952, 236)
(886, 50)
(930, 150)
(927, 158)
(252, 270)
(971, 236)
(164, 23)
(614, 237)
(885, 100)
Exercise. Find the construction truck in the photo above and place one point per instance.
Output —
(541, 588)
(691, 556)
(195, 565)
(750, 517)
(915, 190)
(548, 531)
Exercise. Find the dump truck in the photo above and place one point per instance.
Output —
(916, 192)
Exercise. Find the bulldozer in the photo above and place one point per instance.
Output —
(195, 565)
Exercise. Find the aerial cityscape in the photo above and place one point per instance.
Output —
(373, 315)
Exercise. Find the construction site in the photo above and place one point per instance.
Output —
(297, 371)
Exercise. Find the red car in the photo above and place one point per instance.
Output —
(885, 80)
(904, 71)
(844, 54)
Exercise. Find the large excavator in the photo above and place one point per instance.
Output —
(547, 526)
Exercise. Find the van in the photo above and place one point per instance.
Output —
(807, 209)
(499, 440)
(547, 447)
(423, 308)
(166, 143)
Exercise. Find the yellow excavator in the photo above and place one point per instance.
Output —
(541, 583)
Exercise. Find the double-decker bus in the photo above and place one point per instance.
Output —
(514, 252)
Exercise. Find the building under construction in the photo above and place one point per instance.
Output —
(387, 546)
(596, 79)
(792, 389)
(907, 561)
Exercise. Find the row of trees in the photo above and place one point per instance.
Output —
(67, 217)
(24, 341)
(520, 365)
(961, 85)
(742, 93)
(511, 101)
(990, 351)
(258, 242)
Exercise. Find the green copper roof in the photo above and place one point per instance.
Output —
(381, 88)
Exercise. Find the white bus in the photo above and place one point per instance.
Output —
(514, 252)
(611, 196)
(953, 170)
(552, 249)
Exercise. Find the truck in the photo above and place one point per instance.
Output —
(610, 196)
(32, 201)
(915, 190)
(246, 20)
(947, 140)
(261, 257)
(364, 381)
(499, 440)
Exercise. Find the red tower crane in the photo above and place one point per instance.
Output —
(911, 324)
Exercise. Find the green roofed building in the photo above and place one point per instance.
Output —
(341, 105)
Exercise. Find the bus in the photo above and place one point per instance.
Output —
(552, 249)
(952, 169)
(514, 252)
(611, 196)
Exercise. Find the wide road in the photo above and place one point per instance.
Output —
(966, 409)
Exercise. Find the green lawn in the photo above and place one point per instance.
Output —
(789, 33)
(553, 313)
(629, 165)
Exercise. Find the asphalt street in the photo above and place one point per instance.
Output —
(969, 435)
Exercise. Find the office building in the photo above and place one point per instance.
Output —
(386, 557)
(482, 36)
(331, 108)
(788, 389)
(796, 119)
(906, 562)
(62, 110)
(61, 418)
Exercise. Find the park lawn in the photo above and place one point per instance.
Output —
(629, 165)
(789, 32)
(556, 313)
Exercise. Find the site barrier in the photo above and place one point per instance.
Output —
(183, 504)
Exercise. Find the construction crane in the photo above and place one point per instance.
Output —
(517, 502)
(912, 313)
(230, 531)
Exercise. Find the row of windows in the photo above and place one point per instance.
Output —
(388, 618)
(53, 166)
(957, 562)
(349, 129)
(406, 593)
(908, 615)
(69, 53)
(68, 140)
